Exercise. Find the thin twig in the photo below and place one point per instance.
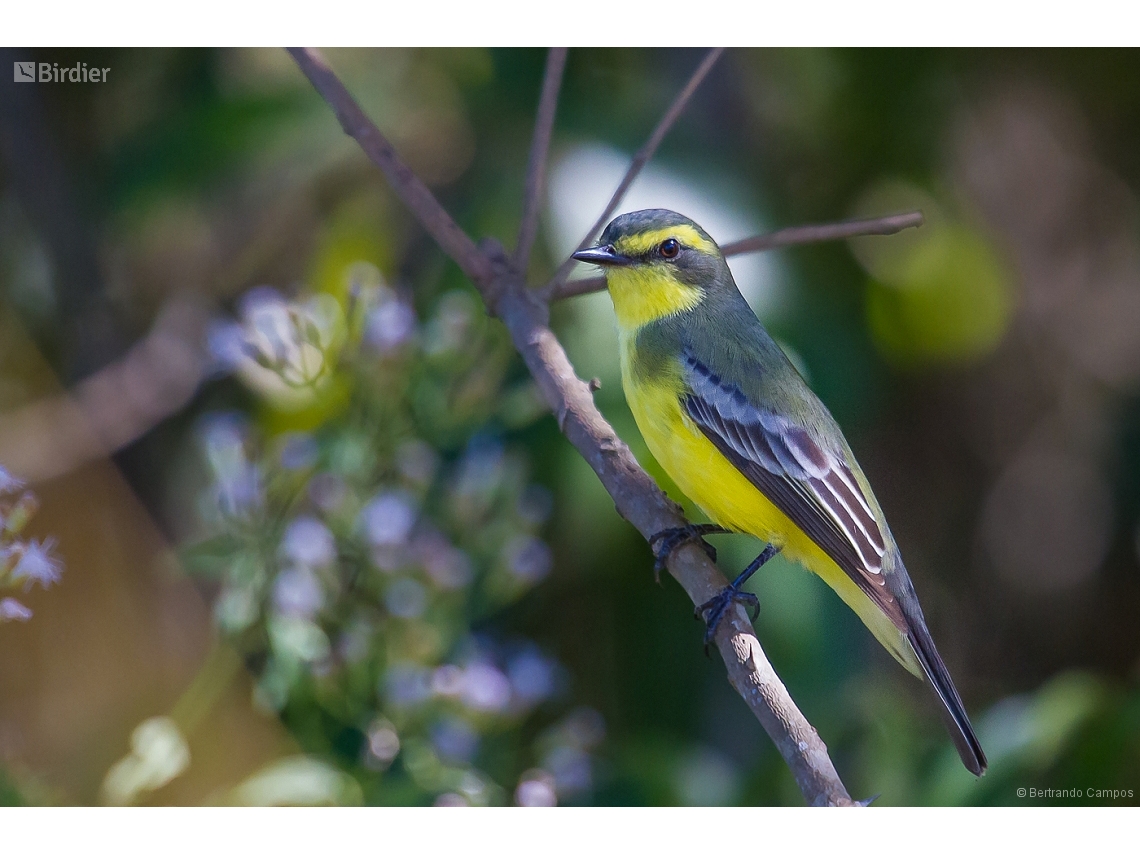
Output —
(415, 194)
(576, 288)
(539, 149)
(639, 161)
(637, 498)
(889, 225)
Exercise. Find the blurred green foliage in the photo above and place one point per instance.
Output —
(356, 558)
(432, 590)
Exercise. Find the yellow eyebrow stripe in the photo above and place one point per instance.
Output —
(643, 242)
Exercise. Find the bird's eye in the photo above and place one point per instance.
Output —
(670, 248)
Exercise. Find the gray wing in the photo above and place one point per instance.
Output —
(814, 487)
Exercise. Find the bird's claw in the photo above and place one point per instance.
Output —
(665, 541)
(713, 610)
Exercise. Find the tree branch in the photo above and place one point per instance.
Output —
(113, 407)
(539, 149)
(889, 225)
(637, 498)
(414, 193)
(640, 159)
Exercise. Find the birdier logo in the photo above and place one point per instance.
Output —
(50, 72)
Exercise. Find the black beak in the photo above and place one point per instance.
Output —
(602, 255)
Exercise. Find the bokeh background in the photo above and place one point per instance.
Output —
(322, 544)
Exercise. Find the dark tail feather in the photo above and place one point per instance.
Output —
(953, 711)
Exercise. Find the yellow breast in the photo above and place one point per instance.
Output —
(696, 465)
(711, 480)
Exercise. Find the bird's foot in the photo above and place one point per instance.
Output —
(715, 609)
(665, 541)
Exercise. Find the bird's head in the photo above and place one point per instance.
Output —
(657, 263)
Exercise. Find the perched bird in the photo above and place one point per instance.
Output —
(741, 433)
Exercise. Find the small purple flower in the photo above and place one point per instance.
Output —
(222, 435)
(9, 483)
(536, 789)
(532, 676)
(237, 488)
(485, 688)
(455, 740)
(308, 542)
(269, 328)
(37, 565)
(298, 593)
(447, 566)
(260, 298)
(225, 342)
(383, 741)
(570, 767)
(11, 609)
(388, 518)
(239, 491)
(286, 337)
(407, 685)
(390, 325)
(447, 681)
